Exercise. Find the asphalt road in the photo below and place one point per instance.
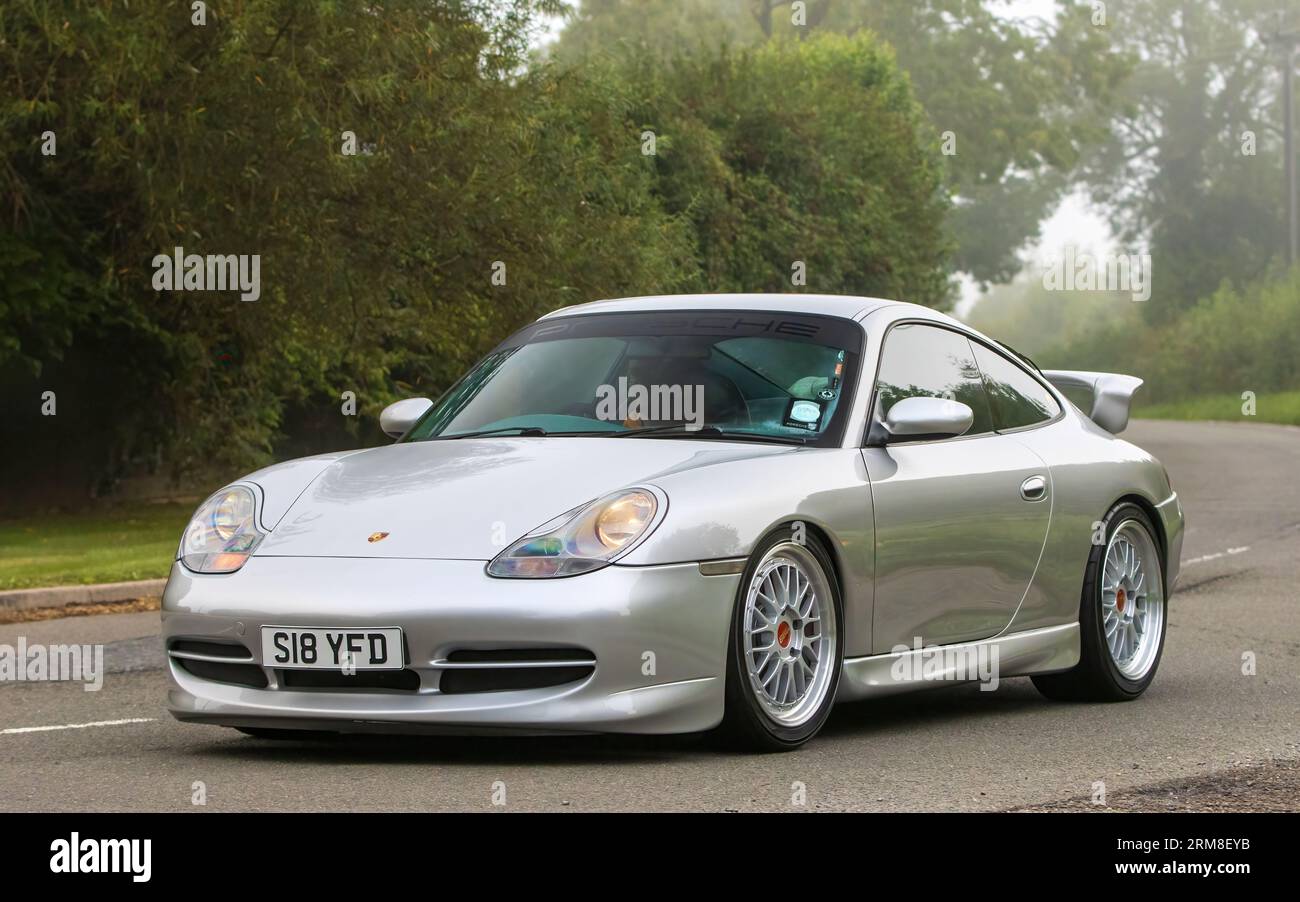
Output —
(947, 749)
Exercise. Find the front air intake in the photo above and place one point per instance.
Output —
(468, 670)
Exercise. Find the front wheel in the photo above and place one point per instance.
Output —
(1121, 616)
(785, 655)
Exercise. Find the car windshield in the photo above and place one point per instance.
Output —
(709, 375)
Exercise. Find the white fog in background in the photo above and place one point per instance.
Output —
(1076, 222)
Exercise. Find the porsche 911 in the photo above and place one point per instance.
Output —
(681, 514)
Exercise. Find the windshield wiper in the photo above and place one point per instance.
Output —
(500, 430)
(530, 432)
(673, 430)
(680, 430)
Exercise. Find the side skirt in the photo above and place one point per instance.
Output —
(1047, 650)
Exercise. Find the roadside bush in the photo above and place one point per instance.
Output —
(1230, 342)
(813, 152)
(376, 267)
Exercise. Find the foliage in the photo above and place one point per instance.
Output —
(1194, 168)
(1192, 173)
(1234, 341)
(812, 152)
(1023, 99)
(377, 268)
(1031, 319)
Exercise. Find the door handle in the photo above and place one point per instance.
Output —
(1034, 488)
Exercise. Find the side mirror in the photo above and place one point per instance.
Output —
(921, 417)
(401, 415)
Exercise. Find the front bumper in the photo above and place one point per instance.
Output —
(658, 636)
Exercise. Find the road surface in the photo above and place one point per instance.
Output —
(1202, 721)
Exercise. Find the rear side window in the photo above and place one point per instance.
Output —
(1017, 398)
(926, 361)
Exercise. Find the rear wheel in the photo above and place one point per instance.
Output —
(785, 655)
(1121, 616)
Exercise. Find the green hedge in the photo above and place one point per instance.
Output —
(377, 268)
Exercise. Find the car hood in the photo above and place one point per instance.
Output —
(469, 498)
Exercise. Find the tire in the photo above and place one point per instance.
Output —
(1112, 592)
(789, 708)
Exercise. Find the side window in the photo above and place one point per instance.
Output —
(1016, 397)
(927, 361)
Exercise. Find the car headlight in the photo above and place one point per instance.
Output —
(585, 539)
(223, 533)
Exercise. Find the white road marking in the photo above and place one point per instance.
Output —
(1218, 554)
(77, 726)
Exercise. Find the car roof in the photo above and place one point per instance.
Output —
(825, 304)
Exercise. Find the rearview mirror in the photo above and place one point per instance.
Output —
(401, 415)
(923, 417)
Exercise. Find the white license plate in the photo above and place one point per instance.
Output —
(322, 648)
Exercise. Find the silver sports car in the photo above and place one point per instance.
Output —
(672, 514)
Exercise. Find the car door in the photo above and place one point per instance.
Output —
(960, 523)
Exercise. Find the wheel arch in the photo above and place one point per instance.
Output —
(828, 542)
(853, 575)
(1154, 516)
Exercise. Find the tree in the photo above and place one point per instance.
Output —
(413, 192)
(1194, 167)
(1020, 100)
(798, 159)
(376, 266)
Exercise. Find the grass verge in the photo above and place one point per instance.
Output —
(110, 545)
(1271, 407)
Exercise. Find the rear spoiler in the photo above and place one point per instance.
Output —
(1111, 395)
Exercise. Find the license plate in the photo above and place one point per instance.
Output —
(319, 648)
